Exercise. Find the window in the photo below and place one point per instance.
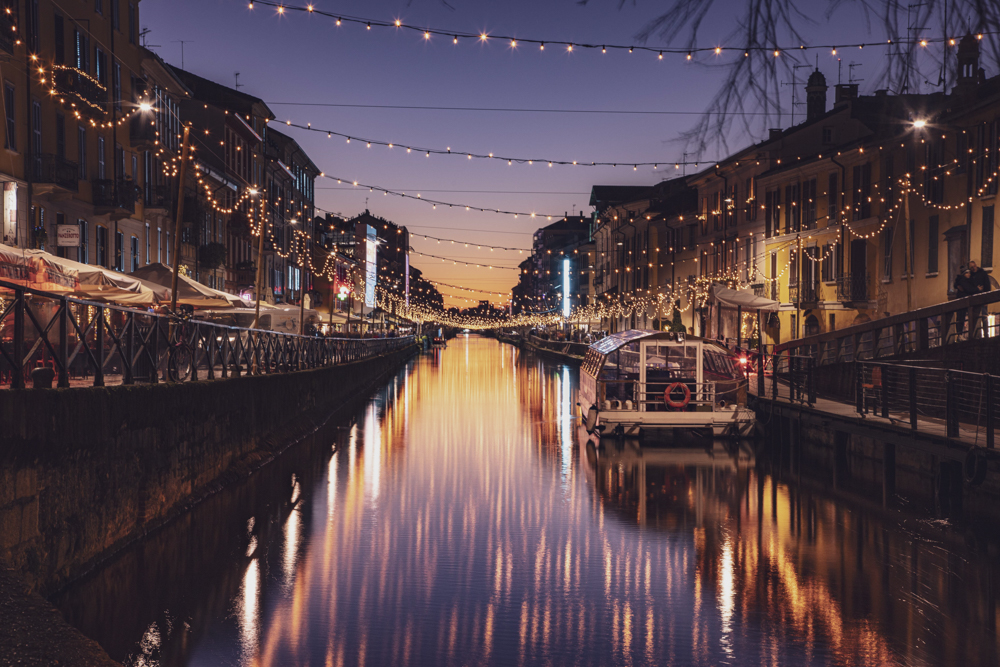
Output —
(862, 201)
(116, 16)
(102, 246)
(81, 152)
(101, 67)
(827, 270)
(10, 141)
(167, 248)
(116, 86)
(809, 204)
(36, 131)
(83, 252)
(81, 51)
(99, 6)
(987, 246)
(131, 23)
(750, 212)
(827, 135)
(886, 253)
(119, 251)
(793, 208)
(159, 244)
(135, 254)
(135, 169)
(61, 136)
(33, 26)
(59, 36)
(148, 243)
(932, 244)
(100, 158)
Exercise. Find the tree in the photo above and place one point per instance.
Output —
(745, 103)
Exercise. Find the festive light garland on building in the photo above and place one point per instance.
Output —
(567, 46)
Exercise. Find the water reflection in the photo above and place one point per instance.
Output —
(458, 521)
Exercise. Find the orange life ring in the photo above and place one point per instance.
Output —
(677, 405)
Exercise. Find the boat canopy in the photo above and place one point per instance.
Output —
(612, 342)
(742, 299)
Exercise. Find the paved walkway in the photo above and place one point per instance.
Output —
(968, 433)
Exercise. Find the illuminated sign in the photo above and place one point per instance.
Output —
(566, 287)
(342, 292)
(407, 280)
(68, 236)
(371, 265)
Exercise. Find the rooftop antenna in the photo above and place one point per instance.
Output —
(910, 28)
(795, 88)
(182, 43)
(142, 36)
(850, 73)
(236, 75)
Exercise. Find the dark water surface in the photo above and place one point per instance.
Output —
(458, 521)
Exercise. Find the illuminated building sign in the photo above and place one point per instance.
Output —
(371, 265)
(566, 287)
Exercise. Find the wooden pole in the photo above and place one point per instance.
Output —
(907, 260)
(181, 175)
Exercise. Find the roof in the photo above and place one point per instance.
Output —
(219, 95)
(284, 141)
(742, 299)
(602, 196)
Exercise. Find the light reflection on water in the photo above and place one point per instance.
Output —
(460, 522)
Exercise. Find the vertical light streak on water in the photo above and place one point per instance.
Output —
(565, 421)
(331, 486)
(248, 610)
(373, 454)
(727, 596)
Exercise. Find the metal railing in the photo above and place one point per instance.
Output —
(102, 344)
(925, 397)
(57, 170)
(852, 287)
(652, 393)
(109, 194)
(792, 377)
(915, 331)
(91, 96)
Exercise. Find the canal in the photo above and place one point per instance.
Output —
(458, 520)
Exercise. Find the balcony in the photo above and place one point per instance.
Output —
(54, 175)
(759, 289)
(804, 293)
(142, 132)
(160, 196)
(244, 277)
(598, 279)
(852, 288)
(82, 91)
(117, 199)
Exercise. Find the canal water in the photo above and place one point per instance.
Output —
(458, 519)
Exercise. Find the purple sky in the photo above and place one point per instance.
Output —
(307, 59)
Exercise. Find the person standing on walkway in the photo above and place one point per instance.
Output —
(964, 286)
(982, 284)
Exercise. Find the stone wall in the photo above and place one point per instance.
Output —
(84, 472)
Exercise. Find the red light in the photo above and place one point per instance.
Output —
(743, 361)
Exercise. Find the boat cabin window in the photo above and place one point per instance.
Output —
(671, 362)
(593, 362)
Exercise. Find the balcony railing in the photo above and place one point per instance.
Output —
(759, 289)
(599, 279)
(82, 91)
(160, 196)
(57, 171)
(142, 132)
(803, 293)
(111, 195)
(852, 287)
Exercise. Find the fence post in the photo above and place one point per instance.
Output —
(154, 340)
(17, 381)
(885, 391)
(951, 413)
(64, 344)
(811, 381)
(210, 346)
(913, 397)
(760, 370)
(129, 355)
(989, 410)
(99, 340)
(859, 391)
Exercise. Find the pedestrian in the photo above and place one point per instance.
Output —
(964, 286)
(981, 280)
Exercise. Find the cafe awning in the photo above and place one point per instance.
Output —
(189, 292)
(742, 299)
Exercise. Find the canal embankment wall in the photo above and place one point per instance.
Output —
(87, 471)
(887, 463)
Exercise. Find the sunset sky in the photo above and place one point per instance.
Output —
(297, 63)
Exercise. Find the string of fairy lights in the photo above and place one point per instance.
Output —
(472, 155)
(513, 42)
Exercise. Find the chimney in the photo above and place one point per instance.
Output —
(774, 133)
(815, 95)
(845, 92)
